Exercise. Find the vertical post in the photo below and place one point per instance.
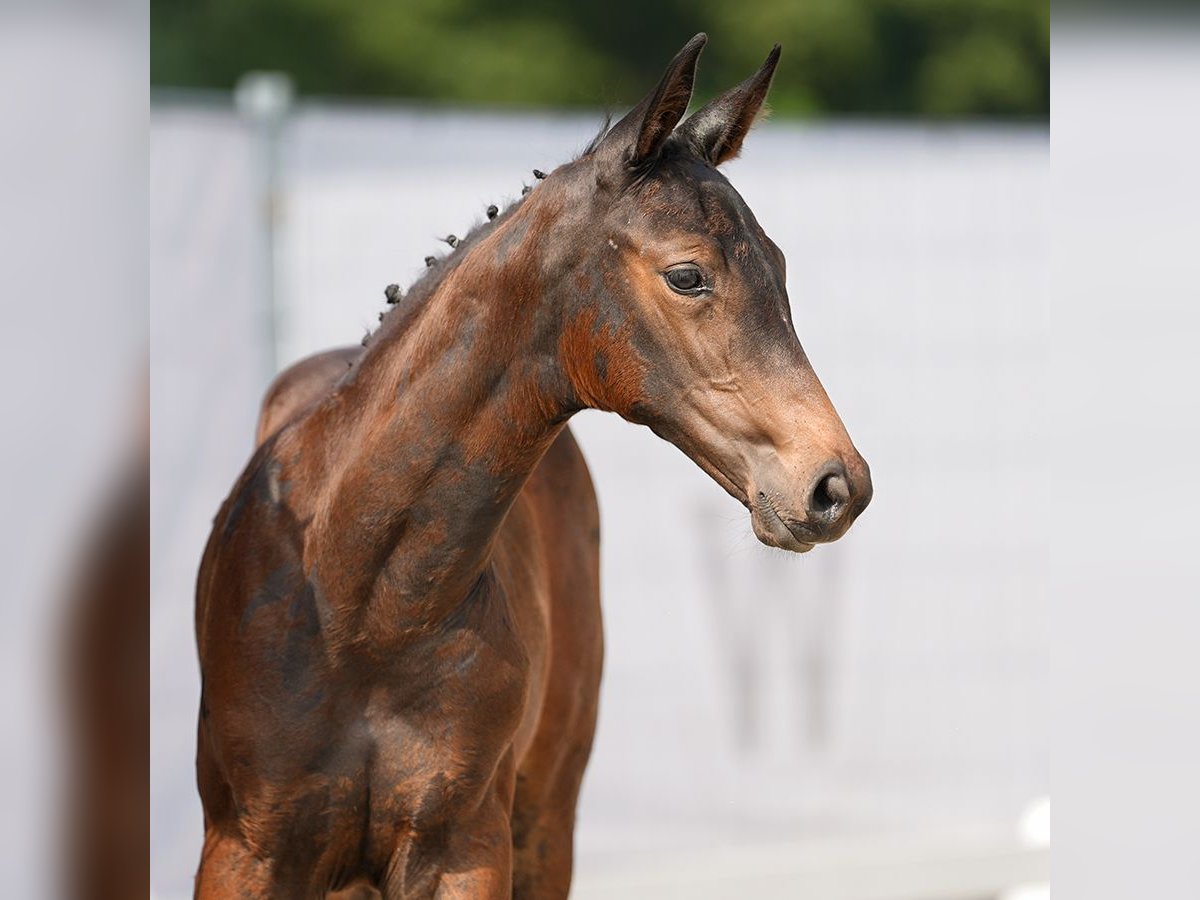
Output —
(264, 99)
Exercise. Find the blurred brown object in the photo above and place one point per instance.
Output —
(106, 667)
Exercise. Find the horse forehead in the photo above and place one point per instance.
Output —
(694, 195)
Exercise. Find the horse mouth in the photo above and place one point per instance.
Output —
(774, 531)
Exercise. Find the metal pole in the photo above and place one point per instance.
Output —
(264, 100)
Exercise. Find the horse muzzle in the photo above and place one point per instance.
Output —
(833, 499)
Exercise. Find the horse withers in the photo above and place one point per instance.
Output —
(398, 611)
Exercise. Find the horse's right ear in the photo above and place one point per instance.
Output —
(640, 136)
(717, 130)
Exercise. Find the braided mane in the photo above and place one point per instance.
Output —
(403, 306)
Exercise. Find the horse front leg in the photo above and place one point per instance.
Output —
(469, 856)
(229, 868)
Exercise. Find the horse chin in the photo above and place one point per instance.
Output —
(772, 531)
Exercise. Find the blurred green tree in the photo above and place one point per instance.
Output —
(929, 58)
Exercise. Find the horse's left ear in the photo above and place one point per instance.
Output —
(640, 136)
(716, 131)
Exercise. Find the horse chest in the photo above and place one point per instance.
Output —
(443, 712)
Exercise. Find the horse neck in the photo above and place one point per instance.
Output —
(436, 434)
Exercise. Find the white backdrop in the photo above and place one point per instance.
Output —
(885, 688)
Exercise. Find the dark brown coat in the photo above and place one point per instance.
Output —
(398, 610)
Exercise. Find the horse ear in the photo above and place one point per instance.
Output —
(716, 131)
(641, 134)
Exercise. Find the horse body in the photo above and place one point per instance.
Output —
(398, 612)
(544, 573)
(455, 739)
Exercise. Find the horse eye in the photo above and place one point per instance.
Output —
(684, 279)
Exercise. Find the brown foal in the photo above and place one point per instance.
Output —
(398, 609)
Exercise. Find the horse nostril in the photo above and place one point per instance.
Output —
(830, 495)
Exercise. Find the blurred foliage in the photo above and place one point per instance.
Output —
(933, 58)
